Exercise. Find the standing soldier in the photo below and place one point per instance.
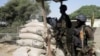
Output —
(82, 37)
(63, 25)
(64, 17)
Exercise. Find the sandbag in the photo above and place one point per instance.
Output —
(22, 51)
(42, 55)
(28, 51)
(37, 30)
(36, 52)
(30, 36)
(59, 52)
(53, 41)
(53, 47)
(35, 24)
(30, 42)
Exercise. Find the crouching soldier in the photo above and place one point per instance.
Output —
(82, 37)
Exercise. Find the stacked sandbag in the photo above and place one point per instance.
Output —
(31, 39)
(22, 51)
(31, 34)
(29, 51)
(59, 52)
(29, 42)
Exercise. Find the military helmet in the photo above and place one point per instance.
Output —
(81, 17)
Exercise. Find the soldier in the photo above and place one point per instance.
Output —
(64, 17)
(63, 25)
(82, 36)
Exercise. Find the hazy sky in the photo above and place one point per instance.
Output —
(71, 4)
(2, 2)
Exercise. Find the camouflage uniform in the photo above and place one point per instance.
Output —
(88, 39)
(62, 33)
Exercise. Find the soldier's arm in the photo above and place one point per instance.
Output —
(89, 36)
(68, 22)
(89, 33)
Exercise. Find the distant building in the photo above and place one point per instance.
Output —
(96, 23)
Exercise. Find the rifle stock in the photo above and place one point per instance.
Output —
(82, 37)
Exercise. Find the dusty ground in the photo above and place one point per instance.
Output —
(7, 49)
(97, 38)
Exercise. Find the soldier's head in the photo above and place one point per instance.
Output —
(63, 8)
(81, 19)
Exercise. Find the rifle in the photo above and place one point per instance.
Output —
(84, 49)
(82, 39)
(82, 36)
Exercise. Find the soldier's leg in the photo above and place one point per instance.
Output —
(65, 47)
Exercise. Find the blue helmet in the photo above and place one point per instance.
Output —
(81, 17)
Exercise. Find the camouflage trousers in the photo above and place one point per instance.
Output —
(64, 45)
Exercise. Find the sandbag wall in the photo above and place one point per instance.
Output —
(31, 40)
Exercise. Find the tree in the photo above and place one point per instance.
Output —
(87, 10)
(17, 12)
(20, 10)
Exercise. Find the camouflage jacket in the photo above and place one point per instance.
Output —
(88, 36)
